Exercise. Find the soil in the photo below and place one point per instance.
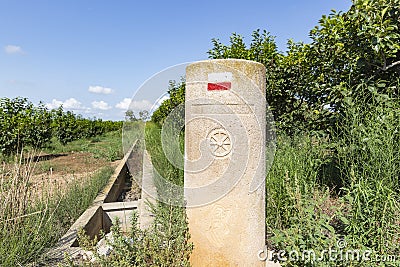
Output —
(75, 162)
(133, 190)
(52, 173)
(133, 185)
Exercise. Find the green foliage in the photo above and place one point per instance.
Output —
(65, 126)
(69, 127)
(302, 214)
(310, 230)
(170, 224)
(369, 158)
(176, 93)
(295, 174)
(166, 241)
(152, 247)
(22, 124)
(363, 42)
(30, 225)
(306, 85)
(262, 48)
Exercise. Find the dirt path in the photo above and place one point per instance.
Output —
(53, 173)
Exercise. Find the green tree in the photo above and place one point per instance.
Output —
(65, 126)
(285, 74)
(144, 115)
(308, 86)
(22, 124)
(176, 93)
(130, 116)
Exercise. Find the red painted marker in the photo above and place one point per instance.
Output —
(219, 86)
(219, 81)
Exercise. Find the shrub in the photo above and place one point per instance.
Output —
(23, 124)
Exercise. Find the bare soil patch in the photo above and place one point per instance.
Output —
(53, 173)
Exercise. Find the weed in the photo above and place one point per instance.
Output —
(31, 223)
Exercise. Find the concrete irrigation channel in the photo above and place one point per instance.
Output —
(129, 189)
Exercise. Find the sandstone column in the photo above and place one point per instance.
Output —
(225, 132)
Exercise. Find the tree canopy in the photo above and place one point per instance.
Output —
(309, 85)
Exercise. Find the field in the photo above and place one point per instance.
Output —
(321, 190)
(43, 193)
(332, 192)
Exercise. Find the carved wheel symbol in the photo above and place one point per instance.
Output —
(220, 142)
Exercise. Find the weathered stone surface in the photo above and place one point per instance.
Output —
(149, 193)
(225, 128)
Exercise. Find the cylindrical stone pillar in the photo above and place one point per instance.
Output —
(225, 167)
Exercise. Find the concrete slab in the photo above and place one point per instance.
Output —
(149, 193)
(121, 210)
(113, 206)
(95, 218)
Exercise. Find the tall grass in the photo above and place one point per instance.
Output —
(166, 242)
(301, 211)
(369, 159)
(293, 177)
(170, 227)
(320, 191)
(31, 222)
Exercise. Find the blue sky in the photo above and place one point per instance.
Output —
(93, 55)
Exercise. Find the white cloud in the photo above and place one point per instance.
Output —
(13, 49)
(124, 104)
(100, 90)
(127, 103)
(101, 105)
(71, 104)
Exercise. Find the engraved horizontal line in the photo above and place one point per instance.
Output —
(223, 109)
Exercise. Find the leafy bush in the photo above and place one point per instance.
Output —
(23, 124)
(69, 127)
(176, 93)
(305, 84)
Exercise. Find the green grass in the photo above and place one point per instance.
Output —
(28, 228)
(170, 221)
(293, 177)
(369, 157)
(166, 242)
(320, 190)
(107, 146)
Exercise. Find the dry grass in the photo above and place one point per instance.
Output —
(36, 209)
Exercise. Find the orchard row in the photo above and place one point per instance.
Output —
(23, 124)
